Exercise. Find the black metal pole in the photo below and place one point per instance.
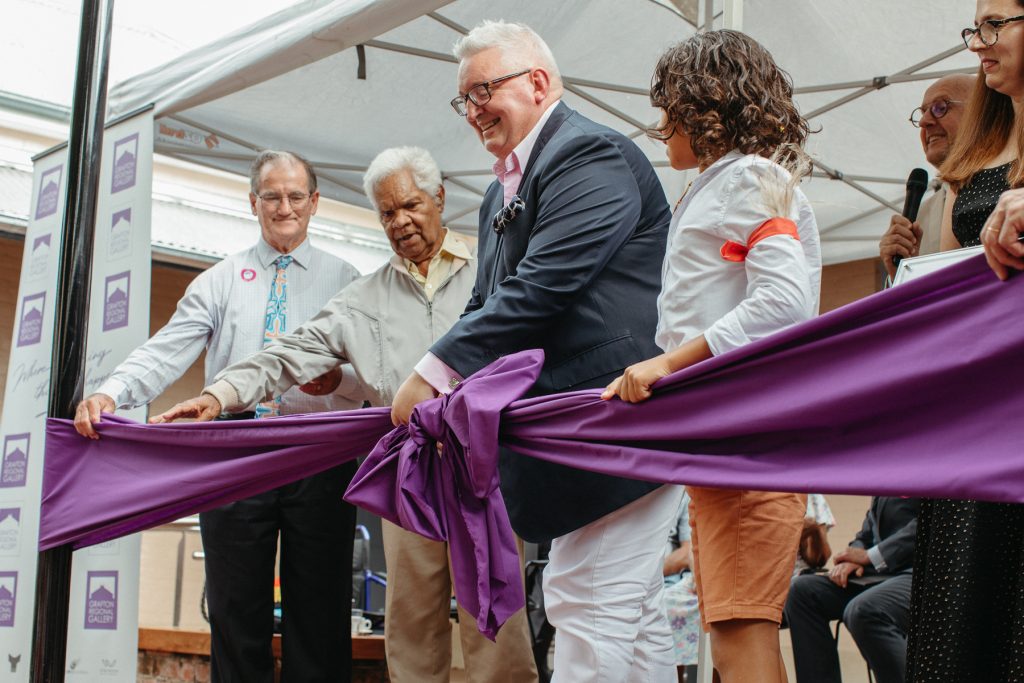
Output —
(71, 324)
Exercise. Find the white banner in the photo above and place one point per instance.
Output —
(103, 621)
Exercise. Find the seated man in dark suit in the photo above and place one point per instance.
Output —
(868, 588)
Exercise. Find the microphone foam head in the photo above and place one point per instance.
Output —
(918, 179)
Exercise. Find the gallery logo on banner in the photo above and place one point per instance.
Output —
(30, 329)
(126, 157)
(39, 259)
(10, 530)
(120, 242)
(49, 192)
(108, 667)
(101, 600)
(8, 592)
(115, 301)
(15, 465)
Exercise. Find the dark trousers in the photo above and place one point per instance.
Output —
(240, 540)
(877, 616)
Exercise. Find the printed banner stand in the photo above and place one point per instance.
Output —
(103, 621)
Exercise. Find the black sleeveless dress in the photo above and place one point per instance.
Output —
(975, 201)
(967, 604)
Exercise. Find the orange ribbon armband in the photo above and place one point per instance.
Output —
(736, 252)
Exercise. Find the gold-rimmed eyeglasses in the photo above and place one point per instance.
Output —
(937, 109)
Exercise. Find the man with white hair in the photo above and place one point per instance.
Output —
(382, 324)
(572, 232)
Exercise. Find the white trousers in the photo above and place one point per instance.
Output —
(603, 594)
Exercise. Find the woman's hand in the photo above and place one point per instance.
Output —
(1002, 233)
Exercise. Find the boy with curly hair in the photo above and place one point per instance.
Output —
(743, 261)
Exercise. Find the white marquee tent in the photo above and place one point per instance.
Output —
(339, 80)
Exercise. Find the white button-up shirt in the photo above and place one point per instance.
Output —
(735, 302)
(224, 311)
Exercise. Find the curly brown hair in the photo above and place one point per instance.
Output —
(725, 91)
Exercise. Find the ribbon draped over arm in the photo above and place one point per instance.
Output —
(914, 391)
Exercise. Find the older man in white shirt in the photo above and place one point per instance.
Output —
(226, 310)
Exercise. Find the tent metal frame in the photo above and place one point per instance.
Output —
(731, 16)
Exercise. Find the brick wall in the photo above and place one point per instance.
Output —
(844, 283)
(168, 286)
(10, 275)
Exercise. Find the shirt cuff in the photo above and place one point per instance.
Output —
(437, 374)
(226, 395)
(115, 389)
(875, 555)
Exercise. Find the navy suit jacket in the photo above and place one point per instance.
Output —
(577, 274)
(890, 524)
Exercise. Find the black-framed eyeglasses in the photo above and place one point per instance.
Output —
(507, 214)
(937, 109)
(296, 200)
(480, 94)
(987, 31)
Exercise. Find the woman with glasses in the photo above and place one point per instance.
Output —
(968, 596)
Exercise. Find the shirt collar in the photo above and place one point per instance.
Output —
(451, 245)
(520, 156)
(301, 254)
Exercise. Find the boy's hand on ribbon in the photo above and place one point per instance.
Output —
(635, 383)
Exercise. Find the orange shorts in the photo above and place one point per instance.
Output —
(744, 548)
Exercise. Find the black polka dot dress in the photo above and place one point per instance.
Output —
(975, 201)
(967, 606)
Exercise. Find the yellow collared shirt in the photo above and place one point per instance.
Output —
(452, 251)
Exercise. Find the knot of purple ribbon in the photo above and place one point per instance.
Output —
(453, 495)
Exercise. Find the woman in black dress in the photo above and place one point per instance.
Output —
(967, 607)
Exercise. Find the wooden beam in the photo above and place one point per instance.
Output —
(182, 642)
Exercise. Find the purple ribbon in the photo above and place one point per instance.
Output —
(912, 391)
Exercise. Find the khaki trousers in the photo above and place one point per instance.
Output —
(417, 630)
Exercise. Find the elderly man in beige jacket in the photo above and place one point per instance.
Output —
(382, 324)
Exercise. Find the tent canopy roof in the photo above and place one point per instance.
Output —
(293, 81)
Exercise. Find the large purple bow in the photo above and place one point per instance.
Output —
(452, 495)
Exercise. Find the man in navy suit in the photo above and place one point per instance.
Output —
(868, 588)
(572, 236)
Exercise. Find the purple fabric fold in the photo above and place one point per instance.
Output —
(453, 495)
(138, 476)
(912, 391)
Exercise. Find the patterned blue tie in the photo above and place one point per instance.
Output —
(275, 324)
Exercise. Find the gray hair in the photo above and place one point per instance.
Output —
(416, 160)
(513, 39)
(270, 156)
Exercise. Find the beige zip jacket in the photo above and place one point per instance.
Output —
(382, 324)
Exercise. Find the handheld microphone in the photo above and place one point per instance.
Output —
(917, 184)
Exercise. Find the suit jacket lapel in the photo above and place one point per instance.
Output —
(554, 122)
(505, 263)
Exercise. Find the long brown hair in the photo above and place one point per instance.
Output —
(725, 91)
(985, 129)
